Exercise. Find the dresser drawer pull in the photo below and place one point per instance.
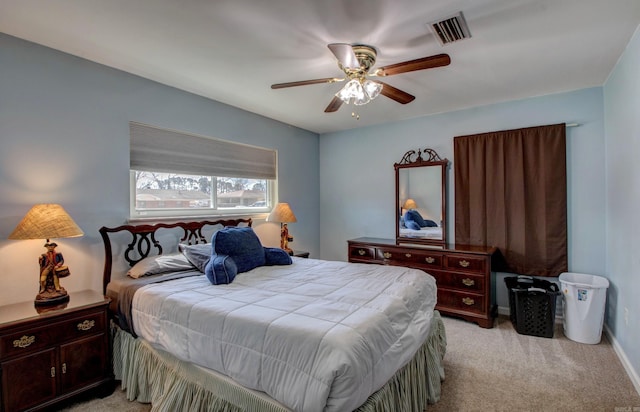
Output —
(387, 255)
(408, 255)
(24, 341)
(64, 368)
(53, 372)
(429, 259)
(468, 282)
(361, 252)
(468, 301)
(86, 325)
(464, 263)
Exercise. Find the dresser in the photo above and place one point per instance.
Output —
(462, 273)
(52, 353)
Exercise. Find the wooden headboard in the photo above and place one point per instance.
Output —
(144, 241)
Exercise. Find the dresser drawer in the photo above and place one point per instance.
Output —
(465, 301)
(466, 263)
(410, 257)
(362, 252)
(462, 281)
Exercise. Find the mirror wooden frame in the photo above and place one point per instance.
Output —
(414, 159)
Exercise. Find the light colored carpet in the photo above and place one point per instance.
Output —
(500, 370)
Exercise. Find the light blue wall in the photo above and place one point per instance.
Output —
(357, 174)
(622, 129)
(64, 138)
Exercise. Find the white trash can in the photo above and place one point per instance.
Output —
(583, 306)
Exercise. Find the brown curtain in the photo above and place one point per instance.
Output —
(511, 192)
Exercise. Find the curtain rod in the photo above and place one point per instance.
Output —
(572, 124)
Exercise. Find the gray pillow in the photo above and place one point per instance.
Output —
(156, 265)
(198, 255)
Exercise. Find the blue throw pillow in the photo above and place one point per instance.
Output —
(241, 244)
(276, 256)
(410, 224)
(430, 223)
(415, 216)
(221, 269)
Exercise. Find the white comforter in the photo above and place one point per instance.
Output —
(314, 335)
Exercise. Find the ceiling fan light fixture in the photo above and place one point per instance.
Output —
(359, 92)
(372, 88)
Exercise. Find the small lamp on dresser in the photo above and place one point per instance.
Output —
(47, 221)
(410, 204)
(283, 214)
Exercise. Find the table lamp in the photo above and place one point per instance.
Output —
(47, 221)
(282, 213)
(410, 204)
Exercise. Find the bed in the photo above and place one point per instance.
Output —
(422, 233)
(311, 335)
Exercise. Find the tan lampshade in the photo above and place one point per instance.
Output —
(410, 204)
(46, 221)
(282, 213)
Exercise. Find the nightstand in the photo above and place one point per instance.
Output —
(301, 253)
(50, 354)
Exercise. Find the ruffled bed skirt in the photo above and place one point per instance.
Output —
(153, 376)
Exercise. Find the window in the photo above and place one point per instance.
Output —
(179, 174)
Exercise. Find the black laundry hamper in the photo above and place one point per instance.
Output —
(532, 305)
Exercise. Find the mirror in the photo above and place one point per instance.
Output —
(421, 198)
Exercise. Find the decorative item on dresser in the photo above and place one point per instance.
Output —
(283, 214)
(463, 273)
(49, 354)
(46, 221)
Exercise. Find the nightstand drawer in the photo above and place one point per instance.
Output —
(27, 341)
(86, 325)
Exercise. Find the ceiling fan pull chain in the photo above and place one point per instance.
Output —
(355, 115)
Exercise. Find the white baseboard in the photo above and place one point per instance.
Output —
(633, 374)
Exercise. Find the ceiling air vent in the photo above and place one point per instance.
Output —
(451, 29)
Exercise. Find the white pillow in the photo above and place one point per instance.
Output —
(198, 254)
(155, 265)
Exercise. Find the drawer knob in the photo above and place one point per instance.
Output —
(387, 255)
(468, 301)
(408, 255)
(429, 259)
(86, 325)
(361, 252)
(24, 341)
(53, 372)
(464, 263)
(468, 282)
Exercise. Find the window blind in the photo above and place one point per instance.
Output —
(170, 151)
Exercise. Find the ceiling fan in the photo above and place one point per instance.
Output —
(356, 61)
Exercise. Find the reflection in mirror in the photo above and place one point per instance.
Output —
(421, 198)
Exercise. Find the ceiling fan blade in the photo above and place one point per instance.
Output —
(305, 82)
(345, 55)
(334, 105)
(430, 62)
(395, 94)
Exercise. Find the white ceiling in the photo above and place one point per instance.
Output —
(233, 50)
